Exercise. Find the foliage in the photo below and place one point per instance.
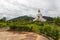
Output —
(12, 27)
(23, 28)
(56, 21)
(3, 25)
(50, 31)
(3, 19)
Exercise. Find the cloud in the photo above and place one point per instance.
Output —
(15, 8)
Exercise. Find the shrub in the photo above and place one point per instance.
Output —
(23, 28)
(13, 27)
(2, 25)
(50, 31)
(31, 29)
(56, 21)
(20, 27)
(39, 23)
(55, 34)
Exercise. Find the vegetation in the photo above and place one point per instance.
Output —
(50, 31)
(57, 21)
(3, 22)
(49, 28)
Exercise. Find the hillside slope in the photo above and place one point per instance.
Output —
(27, 18)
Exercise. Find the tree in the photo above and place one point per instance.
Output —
(3, 19)
(56, 21)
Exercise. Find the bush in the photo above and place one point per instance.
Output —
(20, 28)
(39, 23)
(23, 28)
(49, 31)
(55, 34)
(45, 30)
(2, 25)
(56, 21)
(13, 27)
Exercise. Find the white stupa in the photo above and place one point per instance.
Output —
(39, 17)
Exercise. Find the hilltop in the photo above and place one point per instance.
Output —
(27, 18)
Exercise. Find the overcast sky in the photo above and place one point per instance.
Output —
(15, 8)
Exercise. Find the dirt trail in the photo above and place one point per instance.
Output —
(20, 36)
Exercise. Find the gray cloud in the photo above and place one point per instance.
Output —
(15, 8)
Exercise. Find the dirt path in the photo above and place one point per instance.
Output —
(20, 36)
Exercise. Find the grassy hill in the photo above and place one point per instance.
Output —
(22, 18)
(27, 18)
